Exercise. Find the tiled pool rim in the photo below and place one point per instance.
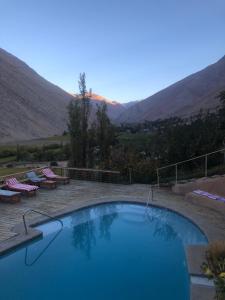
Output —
(191, 251)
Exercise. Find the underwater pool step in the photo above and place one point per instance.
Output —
(201, 280)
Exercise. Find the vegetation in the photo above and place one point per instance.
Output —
(144, 147)
(50, 152)
(8, 171)
(93, 142)
(90, 141)
(79, 113)
(214, 267)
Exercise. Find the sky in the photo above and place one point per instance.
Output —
(129, 49)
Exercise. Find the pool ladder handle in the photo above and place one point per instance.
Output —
(40, 213)
(150, 195)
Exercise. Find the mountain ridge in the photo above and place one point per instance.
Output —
(183, 98)
(31, 106)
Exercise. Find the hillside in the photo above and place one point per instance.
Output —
(32, 107)
(182, 99)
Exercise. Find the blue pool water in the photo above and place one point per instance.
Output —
(110, 251)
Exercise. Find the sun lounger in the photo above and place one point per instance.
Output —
(40, 181)
(208, 195)
(9, 196)
(14, 185)
(34, 178)
(52, 176)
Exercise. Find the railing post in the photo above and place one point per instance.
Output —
(206, 165)
(176, 172)
(25, 224)
(130, 176)
(157, 171)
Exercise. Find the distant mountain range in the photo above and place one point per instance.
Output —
(183, 98)
(32, 107)
(114, 108)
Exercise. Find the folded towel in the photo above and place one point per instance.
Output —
(211, 196)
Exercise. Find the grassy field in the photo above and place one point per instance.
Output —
(5, 160)
(8, 171)
(56, 139)
(137, 141)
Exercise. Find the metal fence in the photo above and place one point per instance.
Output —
(200, 166)
(95, 175)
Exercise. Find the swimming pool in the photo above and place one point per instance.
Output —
(109, 251)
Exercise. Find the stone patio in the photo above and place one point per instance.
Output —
(82, 193)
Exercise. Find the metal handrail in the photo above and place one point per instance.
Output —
(188, 160)
(42, 252)
(150, 195)
(40, 213)
(87, 170)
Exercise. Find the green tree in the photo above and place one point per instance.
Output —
(221, 97)
(105, 134)
(79, 113)
(85, 114)
(74, 128)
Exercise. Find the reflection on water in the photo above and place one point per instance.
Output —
(161, 228)
(106, 221)
(84, 234)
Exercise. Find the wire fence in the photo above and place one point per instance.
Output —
(95, 175)
(209, 164)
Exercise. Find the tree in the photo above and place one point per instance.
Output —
(85, 114)
(105, 134)
(74, 128)
(79, 113)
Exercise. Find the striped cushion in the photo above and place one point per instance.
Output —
(13, 183)
(48, 173)
(25, 187)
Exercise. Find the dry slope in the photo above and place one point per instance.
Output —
(30, 106)
(183, 99)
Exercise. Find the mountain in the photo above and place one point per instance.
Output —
(131, 103)
(30, 106)
(114, 108)
(183, 98)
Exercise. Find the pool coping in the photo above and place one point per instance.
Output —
(194, 253)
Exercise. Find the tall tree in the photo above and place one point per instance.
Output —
(105, 134)
(74, 128)
(85, 114)
(79, 113)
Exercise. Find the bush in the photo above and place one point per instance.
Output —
(214, 267)
(9, 166)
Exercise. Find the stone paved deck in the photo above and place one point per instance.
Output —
(81, 193)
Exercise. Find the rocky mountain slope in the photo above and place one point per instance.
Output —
(32, 107)
(183, 99)
(114, 108)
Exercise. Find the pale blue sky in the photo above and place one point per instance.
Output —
(129, 49)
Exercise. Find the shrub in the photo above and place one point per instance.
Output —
(214, 267)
